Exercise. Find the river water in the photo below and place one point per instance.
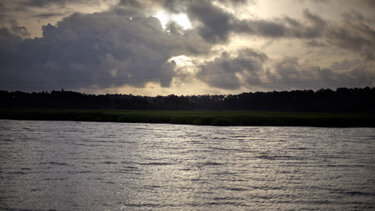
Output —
(125, 166)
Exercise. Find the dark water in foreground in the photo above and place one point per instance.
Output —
(120, 166)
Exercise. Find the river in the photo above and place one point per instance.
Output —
(66, 165)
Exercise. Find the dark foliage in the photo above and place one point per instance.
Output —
(324, 100)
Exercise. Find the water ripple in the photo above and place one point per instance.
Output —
(46, 165)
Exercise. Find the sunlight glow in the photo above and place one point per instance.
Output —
(182, 61)
(181, 19)
(163, 18)
(184, 65)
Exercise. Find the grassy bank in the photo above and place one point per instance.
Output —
(220, 118)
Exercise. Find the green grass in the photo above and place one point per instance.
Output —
(219, 118)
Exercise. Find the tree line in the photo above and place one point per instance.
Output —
(323, 100)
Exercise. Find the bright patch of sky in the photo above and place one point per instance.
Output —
(181, 19)
(218, 46)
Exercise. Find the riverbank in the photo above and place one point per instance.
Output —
(219, 118)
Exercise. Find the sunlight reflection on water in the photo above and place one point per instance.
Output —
(114, 166)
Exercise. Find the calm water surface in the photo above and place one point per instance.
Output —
(119, 166)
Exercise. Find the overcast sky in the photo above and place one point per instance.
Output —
(186, 47)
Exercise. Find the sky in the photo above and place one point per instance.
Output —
(186, 47)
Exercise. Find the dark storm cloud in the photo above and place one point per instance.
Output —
(49, 15)
(12, 25)
(103, 49)
(315, 43)
(353, 35)
(178, 6)
(217, 26)
(357, 16)
(289, 73)
(370, 3)
(250, 69)
(8, 43)
(44, 9)
(131, 3)
(286, 27)
(46, 3)
(125, 46)
(216, 23)
(345, 64)
(225, 71)
(43, 3)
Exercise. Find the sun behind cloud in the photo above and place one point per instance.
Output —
(186, 47)
(181, 19)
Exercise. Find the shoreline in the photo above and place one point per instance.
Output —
(215, 118)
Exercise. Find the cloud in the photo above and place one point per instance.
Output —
(289, 73)
(217, 24)
(213, 23)
(353, 35)
(12, 25)
(286, 27)
(227, 72)
(95, 50)
(180, 6)
(8, 43)
(125, 45)
(345, 64)
(49, 15)
(61, 3)
(255, 70)
(370, 3)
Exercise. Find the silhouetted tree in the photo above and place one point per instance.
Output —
(323, 100)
